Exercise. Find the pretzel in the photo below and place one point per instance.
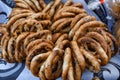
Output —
(35, 35)
(14, 18)
(79, 23)
(99, 38)
(70, 72)
(20, 54)
(56, 23)
(19, 11)
(78, 55)
(99, 50)
(37, 62)
(49, 63)
(4, 49)
(62, 25)
(66, 63)
(63, 15)
(77, 69)
(56, 39)
(34, 43)
(81, 31)
(11, 50)
(95, 65)
(77, 18)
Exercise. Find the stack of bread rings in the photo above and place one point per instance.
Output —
(56, 39)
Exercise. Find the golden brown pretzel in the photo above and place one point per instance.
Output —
(4, 48)
(20, 50)
(82, 21)
(87, 42)
(77, 18)
(63, 25)
(78, 55)
(16, 17)
(36, 42)
(11, 50)
(82, 29)
(38, 35)
(17, 11)
(50, 63)
(99, 38)
(66, 63)
(37, 62)
(77, 69)
(56, 23)
(40, 48)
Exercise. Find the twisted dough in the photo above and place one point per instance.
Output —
(56, 39)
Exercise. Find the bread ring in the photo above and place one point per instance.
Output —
(4, 49)
(39, 48)
(81, 31)
(16, 17)
(19, 50)
(63, 15)
(78, 55)
(66, 63)
(41, 72)
(36, 42)
(56, 23)
(19, 11)
(34, 36)
(71, 72)
(77, 18)
(99, 38)
(11, 49)
(82, 21)
(63, 24)
(37, 61)
(49, 63)
(77, 69)
(115, 44)
(14, 31)
(94, 45)
(90, 58)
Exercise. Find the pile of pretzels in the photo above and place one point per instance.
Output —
(56, 39)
